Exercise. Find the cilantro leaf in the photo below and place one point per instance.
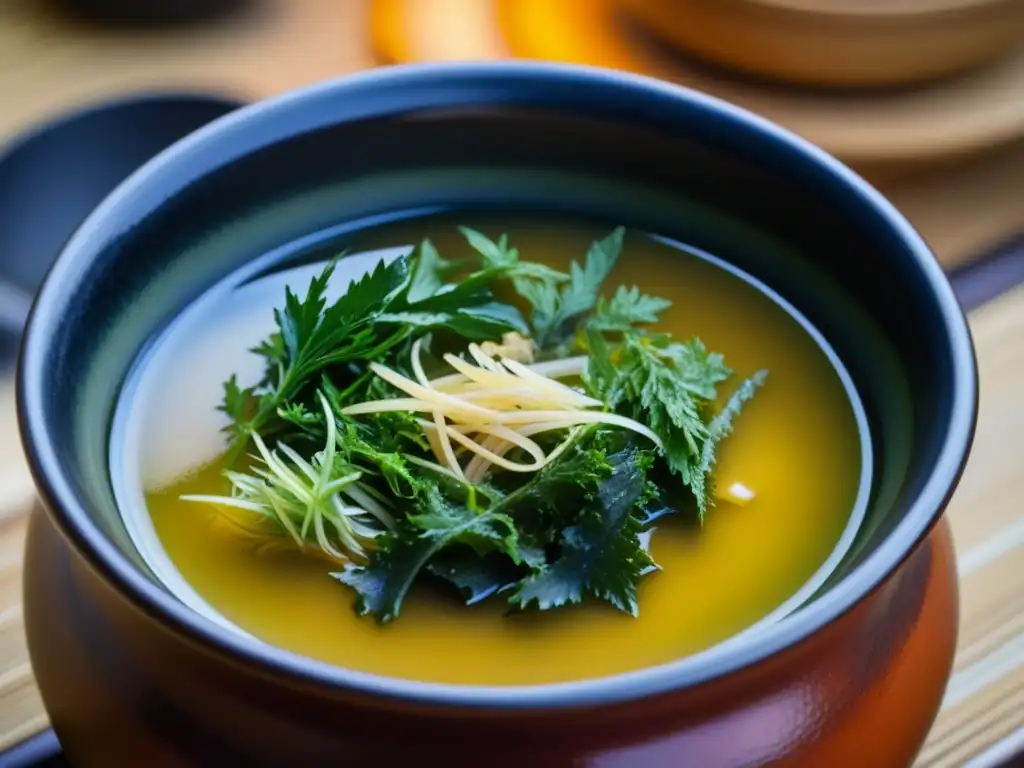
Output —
(384, 581)
(627, 308)
(602, 554)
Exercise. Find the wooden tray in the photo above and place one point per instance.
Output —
(46, 66)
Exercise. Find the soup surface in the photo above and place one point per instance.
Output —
(798, 446)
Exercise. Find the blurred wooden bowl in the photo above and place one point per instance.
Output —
(838, 42)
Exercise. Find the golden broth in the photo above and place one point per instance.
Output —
(797, 445)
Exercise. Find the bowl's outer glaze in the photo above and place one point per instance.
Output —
(123, 690)
(131, 677)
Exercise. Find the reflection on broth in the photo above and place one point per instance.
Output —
(796, 446)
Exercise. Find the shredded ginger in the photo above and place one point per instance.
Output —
(489, 406)
(514, 346)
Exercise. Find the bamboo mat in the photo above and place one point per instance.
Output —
(47, 66)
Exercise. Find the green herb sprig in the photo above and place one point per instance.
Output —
(367, 490)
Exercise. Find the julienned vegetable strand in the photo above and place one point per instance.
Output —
(421, 428)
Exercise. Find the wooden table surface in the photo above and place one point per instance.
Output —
(48, 65)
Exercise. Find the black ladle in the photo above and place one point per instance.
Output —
(53, 176)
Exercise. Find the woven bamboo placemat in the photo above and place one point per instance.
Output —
(47, 66)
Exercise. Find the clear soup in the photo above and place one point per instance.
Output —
(798, 445)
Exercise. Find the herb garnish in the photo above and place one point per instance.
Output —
(495, 473)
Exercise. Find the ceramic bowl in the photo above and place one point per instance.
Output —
(131, 676)
(51, 178)
(839, 42)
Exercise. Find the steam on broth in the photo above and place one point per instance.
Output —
(522, 427)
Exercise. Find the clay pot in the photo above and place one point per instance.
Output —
(130, 676)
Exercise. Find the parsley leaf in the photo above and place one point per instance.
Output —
(585, 282)
(558, 301)
(313, 335)
(380, 310)
(502, 261)
(238, 404)
(627, 308)
(601, 554)
(427, 274)
(721, 427)
(476, 578)
(507, 536)
(665, 384)
(550, 498)
(495, 254)
(371, 492)
(326, 327)
(466, 307)
(383, 583)
(557, 310)
(486, 321)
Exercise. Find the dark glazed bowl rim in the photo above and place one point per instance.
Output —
(401, 90)
(60, 119)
